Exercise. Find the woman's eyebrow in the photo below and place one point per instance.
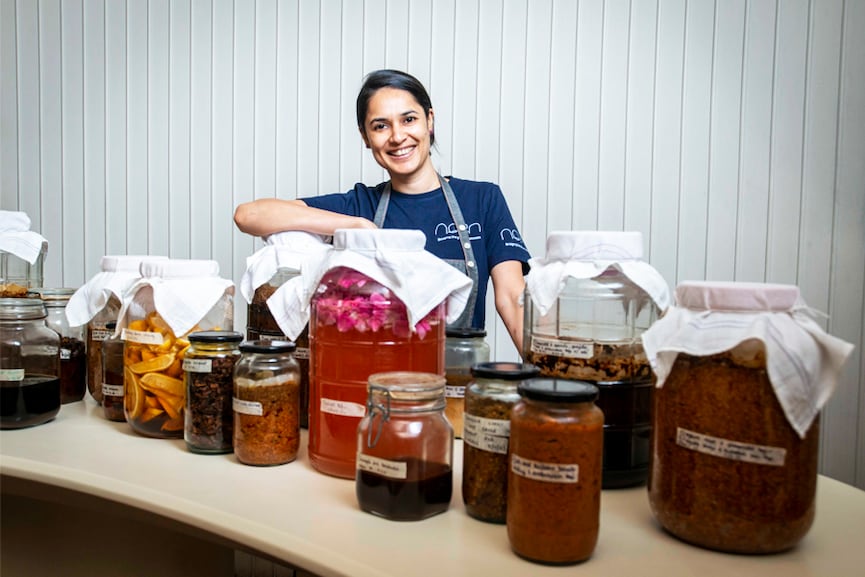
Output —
(383, 119)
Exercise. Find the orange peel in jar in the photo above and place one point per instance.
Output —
(157, 382)
(155, 364)
(133, 395)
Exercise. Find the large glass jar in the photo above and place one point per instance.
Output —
(112, 375)
(554, 479)
(464, 347)
(489, 399)
(29, 365)
(266, 403)
(73, 350)
(405, 447)
(592, 333)
(359, 327)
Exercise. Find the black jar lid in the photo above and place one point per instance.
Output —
(465, 333)
(508, 371)
(558, 391)
(215, 337)
(267, 347)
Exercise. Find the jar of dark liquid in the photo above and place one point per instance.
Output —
(405, 447)
(29, 383)
(73, 350)
(112, 375)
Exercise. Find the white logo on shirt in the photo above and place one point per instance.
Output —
(448, 231)
(511, 237)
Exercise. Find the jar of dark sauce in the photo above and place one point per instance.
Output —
(29, 364)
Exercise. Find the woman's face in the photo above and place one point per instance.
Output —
(397, 132)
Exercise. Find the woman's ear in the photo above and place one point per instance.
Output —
(363, 135)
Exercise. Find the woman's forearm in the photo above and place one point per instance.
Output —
(508, 285)
(267, 216)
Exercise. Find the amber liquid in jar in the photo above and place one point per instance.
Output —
(31, 401)
(424, 492)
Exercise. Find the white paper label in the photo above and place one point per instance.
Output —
(247, 407)
(344, 408)
(562, 348)
(65, 354)
(301, 353)
(197, 365)
(143, 337)
(490, 435)
(452, 392)
(11, 374)
(383, 467)
(733, 450)
(99, 334)
(112, 390)
(548, 472)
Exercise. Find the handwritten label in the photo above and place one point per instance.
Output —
(452, 392)
(11, 374)
(562, 348)
(342, 408)
(112, 390)
(491, 435)
(247, 407)
(383, 467)
(301, 353)
(99, 334)
(733, 450)
(65, 354)
(548, 472)
(198, 365)
(143, 337)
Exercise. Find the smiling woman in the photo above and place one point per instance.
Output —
(466, 223)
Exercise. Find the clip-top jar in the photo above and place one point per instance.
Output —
(29, 365)
(464, 347)
(554, 480)
(73, 349)
(405, 447)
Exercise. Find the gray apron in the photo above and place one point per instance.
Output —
(467, 265)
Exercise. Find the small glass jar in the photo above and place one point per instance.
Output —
(266, 403)
(301, 355)
(405, 447)
(489, 399)
(73, 350)
(29, 365)
(464, 347)
(112, 375)
(17, 275)
(554, 479)
(97, 333)
(209, 367)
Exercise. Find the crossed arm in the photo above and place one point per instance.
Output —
(267, 216)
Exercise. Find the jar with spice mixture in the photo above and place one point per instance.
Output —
(112, 375)
(489, 399)
(22, 252)
(173, 298)
(73, 350)
(266, 403)
(29, 365)
(464, 347)
(209, 367)
(405, 447)
(554, 479)
(588, 300)
(736, 419)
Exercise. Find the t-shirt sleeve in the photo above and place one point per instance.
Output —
(359, 201)
(504, 241)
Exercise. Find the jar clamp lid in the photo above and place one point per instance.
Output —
(267, 347)
(508, 371)
(19, 309)
(558, 391)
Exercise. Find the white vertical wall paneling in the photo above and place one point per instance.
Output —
(441, 81)
(463, 132)
(222, 133)
(308, 103)
(137, 122)
(158, 199)
(374, 50)
(488, 104)
(331, 107)
(50, 219)
(396, 30)
(755, 141)
(419, 40)
(8, 106)
(94, 153)
(724, 143)
(200, 127)
(72, 114)
(351, 69)
(115, 127)
(179, 128)
(265, 98)
(29, 117)
(287, 98)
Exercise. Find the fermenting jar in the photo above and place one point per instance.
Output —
(73, 350)
(736, 420)
(29, 365)
(22, 252)
(266, 403)
(587, 303)
(112, 375)
(554, 479)
(405, 447)
(489, 398)
(464, 347)
(209, 367)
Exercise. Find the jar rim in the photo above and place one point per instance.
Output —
(13, 309)
(558, 390)
(408, 385)
(465, 333)
(215, 337)
(506, 370)
(267, 347)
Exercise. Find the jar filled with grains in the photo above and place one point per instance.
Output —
(464, 347)
(489, 399)
(112, 375)
(266, 403)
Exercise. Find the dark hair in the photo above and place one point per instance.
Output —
(379, 79)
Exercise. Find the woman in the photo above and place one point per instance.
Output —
(466, 223)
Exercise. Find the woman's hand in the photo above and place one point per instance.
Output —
(267, 216)
(508, 285)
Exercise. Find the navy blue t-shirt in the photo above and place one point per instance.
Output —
(492, 231)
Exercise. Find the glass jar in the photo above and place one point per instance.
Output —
(209, 367)
(554, 480)
(112, 375)
(73, 350)
(266, 403)
(405, 447)
(29, 365)
(17, 275)
(592, 333)
(359, 327)
(464, 347)
(97, 333)
(489, 399)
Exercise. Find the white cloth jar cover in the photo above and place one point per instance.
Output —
(17, 238)
(587, 255)
(802, 360)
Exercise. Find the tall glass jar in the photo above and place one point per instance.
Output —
(73, 350)
(266, 403)
(29, 365)
(112, 375)
(464, 347)
(97, 333)
(554, 480)
(405, 447)
(209, 367)
(489, 399)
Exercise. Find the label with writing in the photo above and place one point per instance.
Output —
(246, 407)
(198, 365)
(11, 374)
(453, 392)
(490, 435)
(143, 337)
(562, 348)
(301, 353)
(100, 334)
(733, 450)
(383, 467)
(65, 354)
(343, 408)
(541, 471)
(112, 390)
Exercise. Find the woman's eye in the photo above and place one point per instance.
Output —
(379, 126)
(410, 119)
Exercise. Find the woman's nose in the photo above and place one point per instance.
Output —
(397, 134)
